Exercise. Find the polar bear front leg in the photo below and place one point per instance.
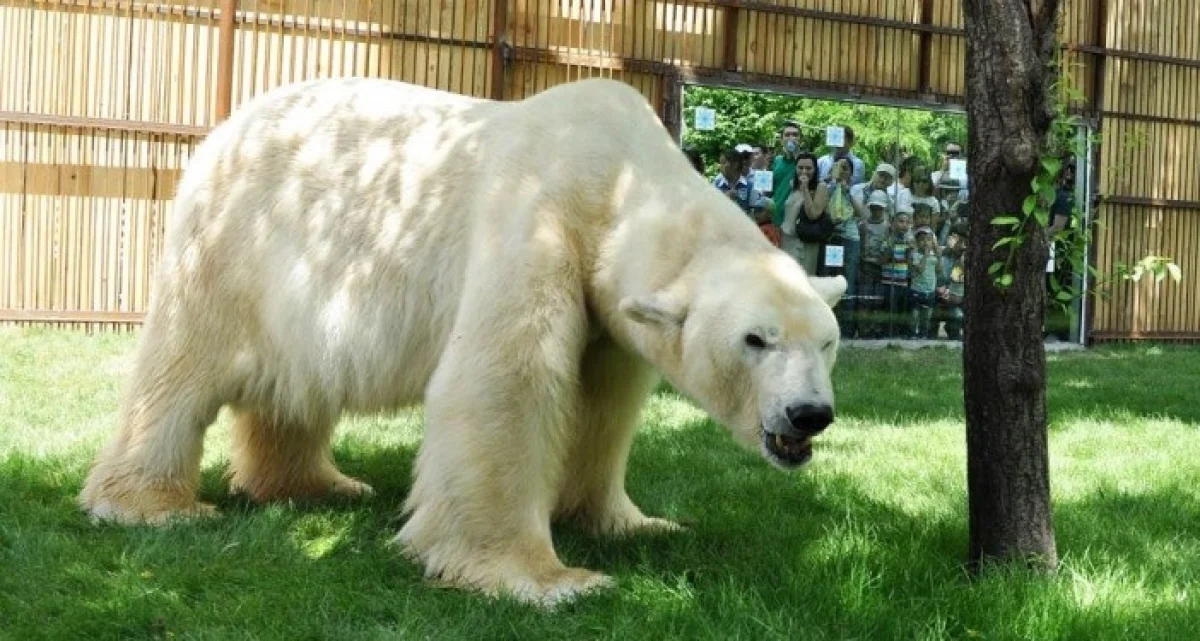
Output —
(487, 474)
(615, 385)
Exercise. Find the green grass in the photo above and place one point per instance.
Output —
(866, 543)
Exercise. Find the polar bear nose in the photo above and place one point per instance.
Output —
(810, 419)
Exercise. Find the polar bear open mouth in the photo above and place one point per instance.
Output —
(788, 451)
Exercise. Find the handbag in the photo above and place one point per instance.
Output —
(815, 231)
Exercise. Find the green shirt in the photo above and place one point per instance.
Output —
(783, 173)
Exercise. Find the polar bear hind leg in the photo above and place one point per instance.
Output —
(276, 459)
(149, 471)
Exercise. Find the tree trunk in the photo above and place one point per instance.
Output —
(1009, 112)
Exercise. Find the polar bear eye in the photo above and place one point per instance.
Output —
(827, 346)
(755, 341)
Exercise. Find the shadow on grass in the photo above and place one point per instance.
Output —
(767, 555)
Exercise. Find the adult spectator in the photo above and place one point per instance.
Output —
(806, 225)
(825, 163)
(952, 151)
(882, 179)
(784, 170)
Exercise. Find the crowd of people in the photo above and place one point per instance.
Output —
(898, 233)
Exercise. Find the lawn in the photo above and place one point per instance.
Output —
(865, 543)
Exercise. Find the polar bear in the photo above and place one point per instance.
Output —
(527, 270)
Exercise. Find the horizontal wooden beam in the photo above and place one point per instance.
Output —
(831, 16)
(1159, 203)
(1133, 55)
(68, 316)
(315, 25)
(695, 74)
(110, 124)
(1135, 335)
(1167, 120)
(143, 181)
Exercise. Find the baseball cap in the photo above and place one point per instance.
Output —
(878, 198)
(887, 169)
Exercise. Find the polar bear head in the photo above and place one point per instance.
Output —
(753, 340)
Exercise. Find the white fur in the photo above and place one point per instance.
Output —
(525, 269)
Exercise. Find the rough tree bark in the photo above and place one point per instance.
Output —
(1009, 44)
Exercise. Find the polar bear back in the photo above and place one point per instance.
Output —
(339, 221)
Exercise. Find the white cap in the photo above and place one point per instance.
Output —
(878, 197)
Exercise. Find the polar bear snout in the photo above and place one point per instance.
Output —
(809, 419)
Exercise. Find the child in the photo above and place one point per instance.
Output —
(895, 270)
(924, 269)
(927, 209)
(732, 182)
(876, 251)
(951, 288)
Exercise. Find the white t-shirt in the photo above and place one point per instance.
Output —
(901, 196)
(861, 192)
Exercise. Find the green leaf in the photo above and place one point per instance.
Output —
(1007, 240)
(1006, 280)
(1064, 295)
(1042, 216)
(995, 267)
(1030, 204)
(1051, 165)
(1176, 273)
(1006, 220)
(1048, 194)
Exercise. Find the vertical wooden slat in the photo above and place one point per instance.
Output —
(730, 59)
(924, 57)
(225, 60)
(499, 33)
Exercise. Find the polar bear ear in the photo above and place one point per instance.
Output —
(660, 308)
(830, 288)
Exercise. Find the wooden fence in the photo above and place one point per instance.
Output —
(103, 101)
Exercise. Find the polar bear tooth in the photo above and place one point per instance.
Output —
(779, 442)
